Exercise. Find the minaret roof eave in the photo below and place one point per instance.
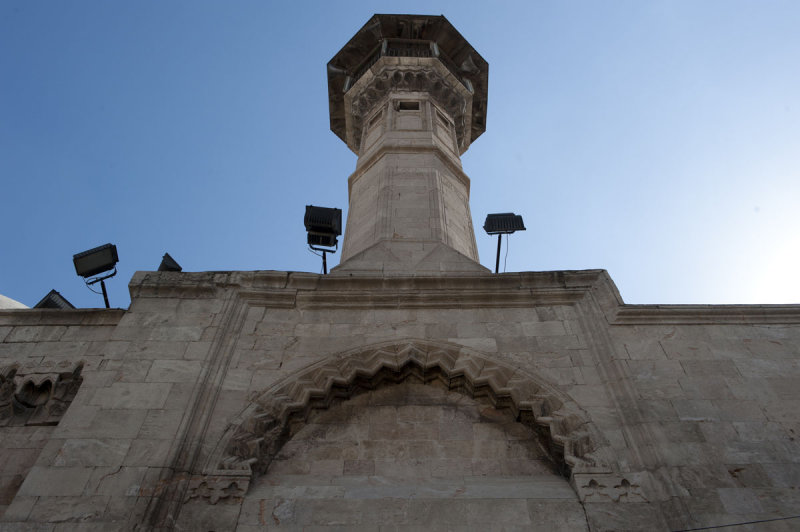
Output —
(424, 27)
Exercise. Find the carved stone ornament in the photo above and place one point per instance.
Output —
(38, 394)
(609, 488)
(261, 430)
(216, 487)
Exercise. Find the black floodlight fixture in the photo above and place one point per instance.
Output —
(94, 261)
(168, 264)
(500, 224)
(324, 225)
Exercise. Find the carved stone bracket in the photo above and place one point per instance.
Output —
(38, 395)
(610, 487)
(262, 429)
(216, 487)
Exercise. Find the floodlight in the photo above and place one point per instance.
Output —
(323, 220)
(97, 260)
(503, 223)
(500, 224)
(323, 224)
(168, 264)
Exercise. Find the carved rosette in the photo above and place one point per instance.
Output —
(38, 394)
(263, 428)
(372, 89)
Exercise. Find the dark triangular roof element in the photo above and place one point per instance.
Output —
(168, 264)
(54, 300)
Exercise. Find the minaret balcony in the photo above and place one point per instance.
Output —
(405, 48)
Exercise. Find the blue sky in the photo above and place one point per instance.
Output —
(657, 140)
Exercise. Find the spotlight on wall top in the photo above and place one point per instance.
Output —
(94, 261)
(323, 224)
(500, 224)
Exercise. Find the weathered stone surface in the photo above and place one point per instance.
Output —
(410, 389)
(56, 481)
(91, 452)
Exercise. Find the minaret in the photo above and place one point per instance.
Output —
(408, 96)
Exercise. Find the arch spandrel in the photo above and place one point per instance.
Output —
(258, 433)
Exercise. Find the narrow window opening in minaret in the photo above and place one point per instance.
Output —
(408, 106)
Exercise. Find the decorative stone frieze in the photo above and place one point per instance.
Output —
(38, 394)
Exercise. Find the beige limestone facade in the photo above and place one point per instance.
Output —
(411, 388)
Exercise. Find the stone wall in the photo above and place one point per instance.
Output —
(207, 401)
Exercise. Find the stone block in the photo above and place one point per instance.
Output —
(696, 410)
(112, 423)
(174, 371)
(55, 481)
(180, 394)
(623, 517)
(88, 333)
(735, 410)
(708, 387)
(761, 431)
(18, 510)
(199, 515)
(91, 452)
(659, 388)
(359, 467)
(711, 368)
(156, 350)
(486, 345)
(147, 452)
(686, 350)
(76, 511)
(590, 395)
(738, 501)
(132, 395)
(120, 481)
(197, 350)
(130, 370)
(759, 367)
(543, 328)
(36, 334)
(14, 461)
(783, 475)
(749, 475)
(786, 411)
(742, 452)
(159, 424)
(548, 516)
(188, 333)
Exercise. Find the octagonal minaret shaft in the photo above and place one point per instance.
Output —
(408, 96)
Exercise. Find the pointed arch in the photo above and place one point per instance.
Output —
(259, 432)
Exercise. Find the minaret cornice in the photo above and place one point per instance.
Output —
(408, 75)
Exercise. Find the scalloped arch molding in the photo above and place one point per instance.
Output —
(255, 437)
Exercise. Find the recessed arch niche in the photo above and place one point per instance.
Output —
(260, 431)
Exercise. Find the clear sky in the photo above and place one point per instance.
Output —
(657, 140)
